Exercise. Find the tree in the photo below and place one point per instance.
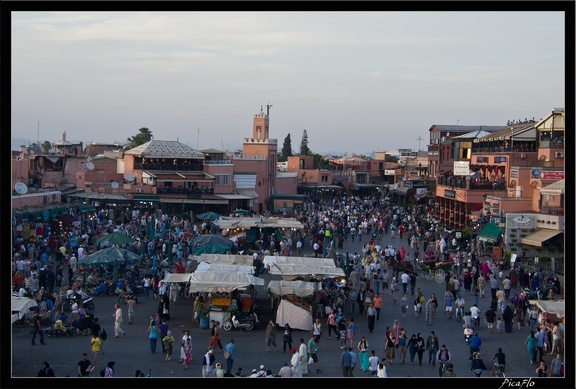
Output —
(286, 149)
(46, 146)
(304, 149)
(144, 135)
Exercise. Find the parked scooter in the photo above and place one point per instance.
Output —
(246, 322)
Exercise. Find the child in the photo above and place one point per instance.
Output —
(187, 352)
(499, 324)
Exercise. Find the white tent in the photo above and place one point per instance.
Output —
(221, 282)
(243, 260)
(294, 315)
(21, 305)
(293, 267)
(177, 277)
(224, 267)
(296, 288)
(552, 307)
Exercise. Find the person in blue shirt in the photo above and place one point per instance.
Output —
(230, 361)
(474, 343)
(346, 363)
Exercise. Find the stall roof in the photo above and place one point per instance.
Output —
(296, 288)
(20, 305)
(293, 267)
(249, 222)
(555, 307)
(221, 282)
(224, 267)
(177, 277)
(231, 259)
(537, 238)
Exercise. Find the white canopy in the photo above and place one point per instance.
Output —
(555, 307)
(293, 267)
(177, 277)
(294, 315)
(249, 222)
(21, 305)
(221, 282)
(231, 259)
(224, 268)
(296, 288)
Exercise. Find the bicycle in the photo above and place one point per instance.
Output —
(442, 367)
(498, 370)
(459, 313)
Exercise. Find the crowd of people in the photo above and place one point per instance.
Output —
(46, 265)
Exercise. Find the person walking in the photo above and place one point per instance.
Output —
(312, 351)
(411, 345)
(345, 362)
(541, 338)
(168, 342)
(109, 370)
(317, 332)
(363, 354)
(118, 322)
(208, 363)
(185, 336)
(402, 344)
(187, 353)
(37, 320)
(354, 361)
(542, 369)
(45, 370)
(556, 366)
(131, 307)
(84, 366)
(478, 365)
(432, 347)
(296, 363)
(287, 338)
(163, 328)
(373, 364)
(96, 348)
(420, 347)
(531, 346)
(332, 323)
(229, 352)
(390, 347)
(152, 335)
(271, 336)
(303, 351)
(371, 316)
(377, 302)
(350, 331)
(404, 304)
(405, 278)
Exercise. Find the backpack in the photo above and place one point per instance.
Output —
(102, 372)
(103, 334)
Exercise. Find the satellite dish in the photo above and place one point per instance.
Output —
(129, 177)
(90, 165)
(20, 188)
(114, 185)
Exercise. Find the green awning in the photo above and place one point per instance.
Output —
(150, 198)
(85, 208)
(489, 233)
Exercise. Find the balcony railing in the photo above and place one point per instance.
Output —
(187, 191)
(456, 182)
(168, 166)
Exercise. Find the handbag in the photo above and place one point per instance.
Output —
(226, 354)
(165, 311)
(310, 361)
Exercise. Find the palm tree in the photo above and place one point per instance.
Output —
(144, 135)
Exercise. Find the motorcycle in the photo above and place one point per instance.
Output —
(468, 332)
(85, 302)
(246, 322)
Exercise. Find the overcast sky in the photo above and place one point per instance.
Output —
(356, 81)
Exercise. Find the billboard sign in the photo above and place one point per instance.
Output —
(461, 168)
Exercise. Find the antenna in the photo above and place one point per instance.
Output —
(419, 140)
(198, 140)
(268, 106)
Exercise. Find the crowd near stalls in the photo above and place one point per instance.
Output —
(155, 254)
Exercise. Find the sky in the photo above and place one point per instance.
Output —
(357, 82)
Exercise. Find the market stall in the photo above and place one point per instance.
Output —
(290, 268)
(21, 306)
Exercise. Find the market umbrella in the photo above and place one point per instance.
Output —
(114, 238)
(207, 239)
(208, 216)
(109, 256)
(216, 248)
(240, 212)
